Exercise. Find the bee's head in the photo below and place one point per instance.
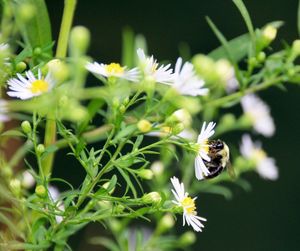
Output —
(217, 144)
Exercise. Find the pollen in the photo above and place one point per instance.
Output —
(260, 154)
(189, 205)
(114, 68)
(39, 86)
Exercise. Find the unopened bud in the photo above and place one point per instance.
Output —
(21, 66)
(146, 174)
(144, 125)
(27, 179)
(79, 40)
(296, 47)
(40, 149)
(152, 198)
(27, 11)
(41, 191)
(58, 70)
(261, 57)
(269, 33)
(181, 116)
(204, 65)
(122, 109)
(157, 168)
(26, 127)
(15, 185)
(188, 238)
(166, 223)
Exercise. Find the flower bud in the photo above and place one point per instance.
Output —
(296, 47)
(166, 223)
(40, 149)
(269, 33)
(261, 57)
(21, 66)
(228, 120)
(188, 238)
(58, 69)
(204, 65)
(157, 168)
(144, 125)
(146, 174)
(180, 116)
(79, 40)
(41, 191)
(27, 11)
(15, 186)
(27, 179)
(151, 198)
(122, 109)
(26, 127)
(106, 186)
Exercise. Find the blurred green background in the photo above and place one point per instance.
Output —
(267, 218)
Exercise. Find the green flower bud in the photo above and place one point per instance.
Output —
(151, 198)
(58, 69)
(269, 33)
(26, 127)
(146, 174)
(115, 103)
(228, 120)
(27, 11)
(187, 239)
(252, 62)
(15, 186)
(122, 109)
(79, 40)
(204, 65)
(41, 191)
(166, 223)
(119, 208)
(261, 57)
(245, 121)
(296, 47)
(144, 125)
(40, 149)
(37, 51)
(21, 66)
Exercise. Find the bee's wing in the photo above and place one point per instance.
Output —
(230, 170)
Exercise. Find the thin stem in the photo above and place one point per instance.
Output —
(61, 52)
(65, 28)
(237, 95)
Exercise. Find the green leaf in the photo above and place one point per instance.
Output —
(128, 181)
(240, 5)
(36, 31)
(238, 46)
(138, 142)
(124, 133)
(128, 47)
(13, 133)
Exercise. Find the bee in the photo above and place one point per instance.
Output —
(219, 159)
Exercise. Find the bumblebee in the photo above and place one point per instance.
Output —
(219, 158)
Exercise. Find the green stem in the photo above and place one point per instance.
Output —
(65, 28)
(61, 52)
(238, 95)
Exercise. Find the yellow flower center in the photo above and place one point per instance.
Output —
(166, 129)
(38, 86)
(189, 205)
(114, 68)
(259, 155)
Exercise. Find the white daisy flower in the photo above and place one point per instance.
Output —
(162, 74)
(265, 166)
(26, 88)
(113, 70)
(259, 113)
(54, 196)
(188, 205)
(203, 148)
(3, 111)
(185, 80)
